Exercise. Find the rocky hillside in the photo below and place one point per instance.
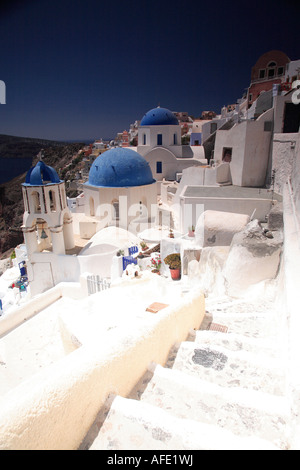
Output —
(63, 158)
(23, 147)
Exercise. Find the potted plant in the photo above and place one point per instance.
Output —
(120, 253)
(171, 234)
(12, 257)
(192, 231)
(155, 265)
(174, 262)
(144, 246)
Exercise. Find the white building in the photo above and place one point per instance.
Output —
(292, 71)
(159, 142)
(250, 155)
(99, 144)
(196, 131)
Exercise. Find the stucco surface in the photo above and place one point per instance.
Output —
(100, 345)
(253, 258)
(215, 228)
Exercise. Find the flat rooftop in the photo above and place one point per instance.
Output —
(229, 192)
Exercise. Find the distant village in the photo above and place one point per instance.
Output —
(175, 214)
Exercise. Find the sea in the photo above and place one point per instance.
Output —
(12, 167)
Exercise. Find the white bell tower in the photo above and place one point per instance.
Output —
(47, 221)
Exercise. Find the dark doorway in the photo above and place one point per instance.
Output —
(291, 120)
(227, 154)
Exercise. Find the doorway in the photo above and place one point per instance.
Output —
(291, 120)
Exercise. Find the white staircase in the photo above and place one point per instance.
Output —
(221, 390)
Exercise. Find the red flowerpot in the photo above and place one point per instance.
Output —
(175, 274)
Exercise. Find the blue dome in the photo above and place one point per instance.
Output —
(41, 174)
(120, 167)
(159, 117)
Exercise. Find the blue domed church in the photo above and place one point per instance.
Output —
(120, 189)
(159, 142)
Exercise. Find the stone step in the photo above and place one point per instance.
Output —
(228, 304)
(220, 300)
(241, 411)
(231, 368)
(259, 319)
(238, 342)
(134, 425)
(253, 324)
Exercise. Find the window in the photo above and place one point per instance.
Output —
(268, 126)
(159, 139)
(158, 167)
(280, 70)
(271, 69)
(262, 73)
(116, 210)
(144, 139)
(92, 206)
(271, 73)
(227, 154)
(175, 139)
(250, 97)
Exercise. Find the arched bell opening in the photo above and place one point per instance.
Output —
(36, 201)
(52, 200)
(43, 235)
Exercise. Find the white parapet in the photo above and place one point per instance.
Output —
(114, 340)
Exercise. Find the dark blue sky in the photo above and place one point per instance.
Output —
(88, 69)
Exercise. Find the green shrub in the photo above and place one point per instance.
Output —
(173, 260)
